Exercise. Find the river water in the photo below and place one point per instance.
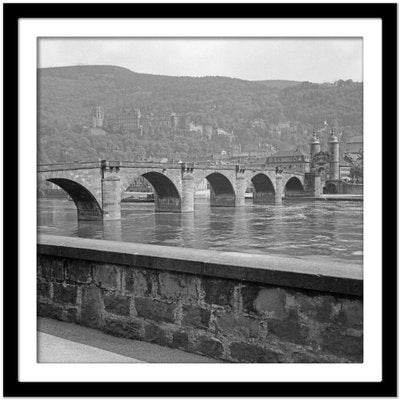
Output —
(331, 230)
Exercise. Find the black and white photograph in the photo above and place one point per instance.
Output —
(195, 198)
(189, 193)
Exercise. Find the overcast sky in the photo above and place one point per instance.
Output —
(316, 60)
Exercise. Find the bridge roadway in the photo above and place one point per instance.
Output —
(97, 187)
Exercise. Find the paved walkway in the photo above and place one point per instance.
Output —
(63, 342)
(54, 349)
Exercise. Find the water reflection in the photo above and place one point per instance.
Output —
(112, 230)
(333, 229)
(188, 229)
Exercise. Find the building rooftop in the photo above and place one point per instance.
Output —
(355, 139)
(286, 153)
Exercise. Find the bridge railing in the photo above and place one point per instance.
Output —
(68, 166)
(149, 164)
(160, 165)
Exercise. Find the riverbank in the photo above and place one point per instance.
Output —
(324, 197)
(329, 197)
(137, 197)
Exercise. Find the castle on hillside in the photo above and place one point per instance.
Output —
(132, 120)
(127, 120)
(97, 115)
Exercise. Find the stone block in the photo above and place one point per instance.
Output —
(154, 334)
(65, 294)
(116, 304)
(91, 307)
(136, 282)
(174, 286)
(123, 328)
(180, 340)
(209, 347)
(51, 268)
(72, 315)
(197, 317)
(78, 271)
(289, 329)
(43, 289)
(318, 307)
(69, 314)
(249, 294)
(342, 345)
(107, 276)
(351, 314)
(325, 308)
(218, 291)
(49, 310)
(239, 326)
(154, 310)
(244, 352)
(268, 302)
(304, 358)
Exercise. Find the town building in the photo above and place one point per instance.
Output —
(354, 145)
(291, 159)
(229, 135)
(195, 128)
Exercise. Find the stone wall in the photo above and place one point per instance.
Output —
(351, 188)
(204, 302)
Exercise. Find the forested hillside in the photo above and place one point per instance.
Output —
(261, 115)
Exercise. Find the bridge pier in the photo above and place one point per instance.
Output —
(188, 190)
(241, 186)
(111, 198)
(313, 184)
(278, 189)
(317, 185)
(188, 187)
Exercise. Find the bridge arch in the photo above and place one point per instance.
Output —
(166, 187)
(166, 194)
(294, 187)
(264, 190)
(222, 192)
(330, 188)
(87, 206)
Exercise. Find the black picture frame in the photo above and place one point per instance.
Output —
(12, 13)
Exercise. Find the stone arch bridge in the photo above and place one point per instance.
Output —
(97, 187)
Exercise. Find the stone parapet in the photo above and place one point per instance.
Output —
(231, 306)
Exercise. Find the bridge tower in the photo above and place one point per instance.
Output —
(333, 149)
(315, 145)
(313, 178)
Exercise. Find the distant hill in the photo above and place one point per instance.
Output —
(261, 114)
(279, 83)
